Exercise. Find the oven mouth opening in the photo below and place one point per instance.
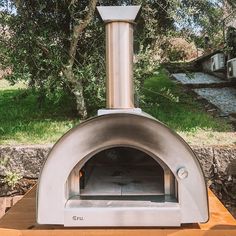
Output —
(124, 175)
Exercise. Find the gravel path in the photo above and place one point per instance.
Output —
(223, 98)
(197, 78)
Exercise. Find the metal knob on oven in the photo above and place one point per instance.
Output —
(182, 173)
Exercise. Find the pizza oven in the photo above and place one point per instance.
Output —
(122, 168)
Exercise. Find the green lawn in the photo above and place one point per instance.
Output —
(185, 114)
(22, 121)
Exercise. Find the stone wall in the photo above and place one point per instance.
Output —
(218, 164)
(28, 160)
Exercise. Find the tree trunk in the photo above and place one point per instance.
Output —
(77, 86)
(77, 90)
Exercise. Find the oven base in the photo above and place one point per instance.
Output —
(90, 213)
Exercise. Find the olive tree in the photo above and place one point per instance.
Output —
(58, 46)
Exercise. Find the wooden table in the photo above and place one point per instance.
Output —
(20, 221)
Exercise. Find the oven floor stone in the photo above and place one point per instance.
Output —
(141, 180)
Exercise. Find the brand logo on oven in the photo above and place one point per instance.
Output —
(77, 218)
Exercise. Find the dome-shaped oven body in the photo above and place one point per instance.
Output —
(60, 199)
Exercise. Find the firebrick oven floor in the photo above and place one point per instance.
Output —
(123, 181)
(20, 221)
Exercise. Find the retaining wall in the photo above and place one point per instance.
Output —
(218, 164)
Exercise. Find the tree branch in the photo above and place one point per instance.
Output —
(78, 29)
(77, 85)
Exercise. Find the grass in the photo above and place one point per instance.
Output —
(185, 115)
(22, 121)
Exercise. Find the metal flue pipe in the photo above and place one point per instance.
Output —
(119, 55)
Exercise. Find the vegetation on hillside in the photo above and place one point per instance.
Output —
(23, 121)
(179, 110)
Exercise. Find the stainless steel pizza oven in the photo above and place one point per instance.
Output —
(121, 168)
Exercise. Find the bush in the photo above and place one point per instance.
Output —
(179, 49)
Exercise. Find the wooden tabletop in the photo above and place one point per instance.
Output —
(20, 221)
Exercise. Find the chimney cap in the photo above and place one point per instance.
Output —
(118, 13)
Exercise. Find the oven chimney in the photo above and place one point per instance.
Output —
(119, 22)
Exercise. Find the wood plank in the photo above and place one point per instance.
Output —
(129, 232)
(220, 217)
(20, 221)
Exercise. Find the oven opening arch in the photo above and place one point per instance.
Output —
(122, 172)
